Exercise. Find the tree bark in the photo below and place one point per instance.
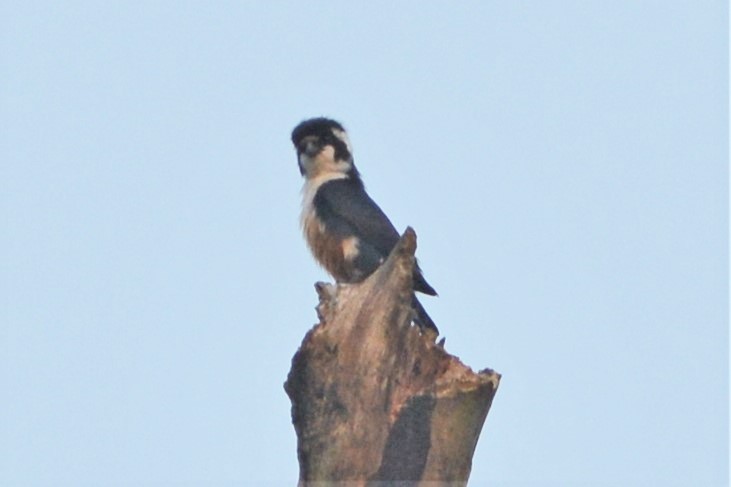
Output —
(374, 400)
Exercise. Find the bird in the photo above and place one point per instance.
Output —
(347, 232)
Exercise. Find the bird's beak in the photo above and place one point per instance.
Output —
(310, 146)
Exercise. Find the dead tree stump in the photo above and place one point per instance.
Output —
(375, 401)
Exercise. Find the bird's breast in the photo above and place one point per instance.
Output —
(335, 253)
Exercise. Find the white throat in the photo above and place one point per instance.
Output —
(309, 190)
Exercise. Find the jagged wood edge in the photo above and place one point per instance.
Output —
(453, 398)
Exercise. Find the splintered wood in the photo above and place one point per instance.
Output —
(375, 401)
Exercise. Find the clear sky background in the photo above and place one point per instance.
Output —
(564, 163)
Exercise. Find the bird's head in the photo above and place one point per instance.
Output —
(323, 148)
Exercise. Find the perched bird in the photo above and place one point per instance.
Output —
(347, 232)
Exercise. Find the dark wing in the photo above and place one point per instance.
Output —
(347, 208)
(345, 203)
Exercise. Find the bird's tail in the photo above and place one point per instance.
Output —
(423, 319)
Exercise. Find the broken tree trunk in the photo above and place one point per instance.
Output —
(373, 400)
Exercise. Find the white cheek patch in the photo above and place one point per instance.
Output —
(324, 163)
(326, 155)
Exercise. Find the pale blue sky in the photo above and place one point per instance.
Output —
(564, 163)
